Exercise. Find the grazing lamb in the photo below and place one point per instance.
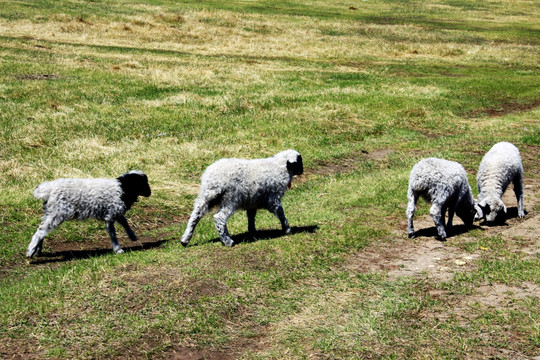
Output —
(444, 184)
(500, 166)
(244, 184)
(102, 199)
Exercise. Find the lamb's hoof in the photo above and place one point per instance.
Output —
(184, 244)
(287, 230)
(411, 235)
(228, 243)
(441, 238)
(31, 253)
(119, 251)
(134, 238)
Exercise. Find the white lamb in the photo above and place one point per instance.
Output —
(500, 166)
(443, 183)
(102, 199)
(244, 184)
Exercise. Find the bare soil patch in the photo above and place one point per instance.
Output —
(501, 295)
(346, 165)
(183, 353)
(235, 349)
(37, 77)
(429, 257)
(17, 349)
(379, 154)
(503, 109)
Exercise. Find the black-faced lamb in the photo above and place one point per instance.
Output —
(443, 183)
(102, 199)
(250, 185)
(500, 166)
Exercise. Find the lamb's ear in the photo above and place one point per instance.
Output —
(296, 167)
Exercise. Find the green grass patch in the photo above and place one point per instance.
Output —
(362, 90)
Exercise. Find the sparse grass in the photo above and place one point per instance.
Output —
(92, 89)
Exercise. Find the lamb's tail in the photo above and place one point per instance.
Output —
(43, 191)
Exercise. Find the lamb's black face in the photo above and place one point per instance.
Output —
(143, 186)
(135, 184)
(467, 216)
(296, 167)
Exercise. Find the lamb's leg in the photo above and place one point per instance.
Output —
(131, 234)
(199, 210)
(451, 212)
(112, 233)
(411, 208)
(48, 225)
(518, 190)
(280, 214)
(251, 220)
(220, 219)
(438, 218)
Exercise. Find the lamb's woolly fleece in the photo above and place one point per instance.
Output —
(102, 199)
(82, 198)
(443, 183)
(499, 167)
(244, 184)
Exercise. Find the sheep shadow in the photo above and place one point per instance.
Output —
(456, 230)
(502, 218)
(78, 254)
(246, 237)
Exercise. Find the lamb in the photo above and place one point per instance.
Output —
(443, 183)
(500, 166)
(102, 199)
(244, 184)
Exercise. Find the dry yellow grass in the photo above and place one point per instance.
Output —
(225, 33)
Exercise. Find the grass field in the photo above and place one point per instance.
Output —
(362, 89)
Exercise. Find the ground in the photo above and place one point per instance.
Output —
(423, 257)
